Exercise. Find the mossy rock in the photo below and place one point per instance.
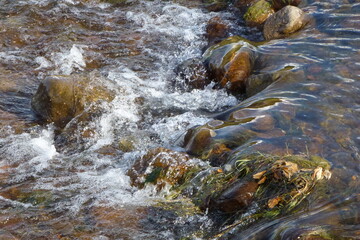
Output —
(29, 196)
(275, 184)
(162, 167)
(257, 13)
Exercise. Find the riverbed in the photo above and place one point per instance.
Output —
(73, 184)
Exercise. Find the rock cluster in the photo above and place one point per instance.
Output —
(278, 18)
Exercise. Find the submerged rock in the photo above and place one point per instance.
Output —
(236, 197)
(193, 74)
(160, 167)
(216, 30)
(267, 184)
(258, 12)
(10, 123)
(230, 62)
(199, 140)
(60, 98)
(285, 22)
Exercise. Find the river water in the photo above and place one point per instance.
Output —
(73, 185)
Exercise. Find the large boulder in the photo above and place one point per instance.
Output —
(61, 98)
(258, 12)
(285, 22)
(230, 62)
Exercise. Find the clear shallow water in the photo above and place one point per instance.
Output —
(77, 187)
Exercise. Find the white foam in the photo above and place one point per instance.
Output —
(43, 62)
(207, 99)
(172, 128)
(31, 152)
(69, 61)
(87, 174)
(112, 188)
(44, 148)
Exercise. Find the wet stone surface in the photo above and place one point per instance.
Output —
(271, 132)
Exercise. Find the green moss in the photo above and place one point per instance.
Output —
(264, 103)
(311, 162)
(258, 12)
(36, 197)
(154, 175)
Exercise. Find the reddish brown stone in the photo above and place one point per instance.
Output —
(263, 123)
(236, 197)
(239, 69)
(216, 30)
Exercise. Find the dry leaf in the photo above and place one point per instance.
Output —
(284, 168)
(259, 175)
(327, 174)
(262, 180)
(317, 174)
(290, 169)
(273, 202)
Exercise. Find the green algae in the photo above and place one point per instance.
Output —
(258, 12)
(264, 103)
(154, 175)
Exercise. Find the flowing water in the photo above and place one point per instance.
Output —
(73, 185)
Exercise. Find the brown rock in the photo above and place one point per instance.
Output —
(194, 74)
(257, 83)
(61, 98)
(238, 70)
(199, 141)
(230, 62)
(258, 12)
(216, 30)
(274, 133)
(159, 166)
(243, 114)
(236, 197)
(263, 123)
(285, 22)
